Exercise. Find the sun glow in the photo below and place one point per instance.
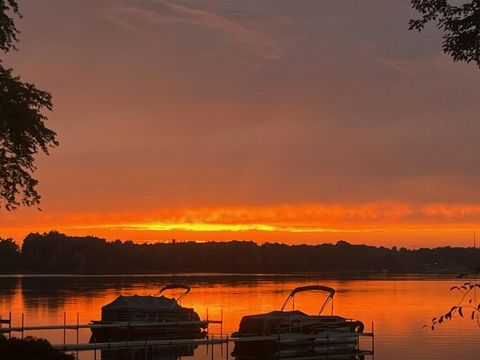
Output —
(212, 227)
(189, 227)
(380, 223)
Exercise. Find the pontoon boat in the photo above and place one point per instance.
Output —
(148, 317)
(293, 333)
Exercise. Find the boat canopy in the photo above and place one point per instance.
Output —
(329, 290)
(140, 303)
(176, 286)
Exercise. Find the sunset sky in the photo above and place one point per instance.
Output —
(297, 121)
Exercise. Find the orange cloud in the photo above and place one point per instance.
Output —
(290, 223)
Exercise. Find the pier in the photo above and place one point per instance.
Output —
(77, 326)
(221, 339)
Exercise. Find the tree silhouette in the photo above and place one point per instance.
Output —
(22, 129)
(460, 25)
(54, 252)
(29, 348)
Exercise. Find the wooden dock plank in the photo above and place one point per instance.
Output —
(113, 325)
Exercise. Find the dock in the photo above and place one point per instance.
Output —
(195, 342)
(212, 339)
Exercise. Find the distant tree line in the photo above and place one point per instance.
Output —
(58, 253)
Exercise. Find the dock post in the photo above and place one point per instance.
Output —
(64, 327)
(78, 329)
(23, 323)
(208, 327)
(373, 337)
(221, 323)
(213, 344)
(10, 323)
(1, 321)
(226, 347)
(78, 323)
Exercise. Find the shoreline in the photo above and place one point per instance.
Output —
(328, 275)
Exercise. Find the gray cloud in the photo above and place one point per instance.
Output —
(183, 109)
(237, 25)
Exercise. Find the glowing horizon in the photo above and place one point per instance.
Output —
(368, 223)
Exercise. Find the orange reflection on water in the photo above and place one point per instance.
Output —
(398, 307)
(354, 299)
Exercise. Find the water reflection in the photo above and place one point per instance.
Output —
(297, 350)
(398, 306)
(177, 353)
(306, 356)
(149, 353)
(8, 287)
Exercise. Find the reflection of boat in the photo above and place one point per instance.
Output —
(306, 356)
(294, 333)
(148, 317)
(149, 352)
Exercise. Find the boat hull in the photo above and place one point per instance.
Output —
(122, 333)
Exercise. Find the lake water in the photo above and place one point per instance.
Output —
(399, 307)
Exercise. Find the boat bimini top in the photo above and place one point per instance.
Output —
(329, 290)
(175, 286)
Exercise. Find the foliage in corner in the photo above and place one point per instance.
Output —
(22, 124)
(460, 24)
(29, 348)
(467, 307)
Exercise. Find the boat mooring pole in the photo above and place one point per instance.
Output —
(64, 327)
(78, 323)
(23, 323)
(78, 329)
(373, 337)
(227, 346)
(213, 344)
(221, 324)
(207, 328)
